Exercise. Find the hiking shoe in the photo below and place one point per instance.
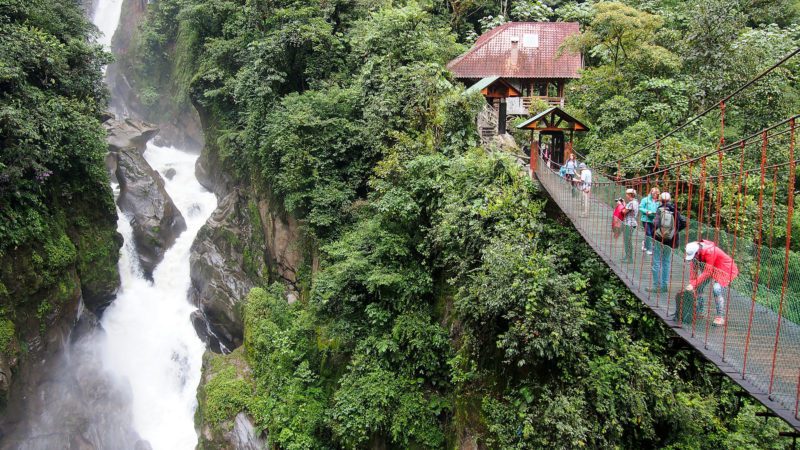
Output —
(719, 321)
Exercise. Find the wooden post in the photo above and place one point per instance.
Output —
(501, 117)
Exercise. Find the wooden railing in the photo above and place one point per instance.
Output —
(552, 101)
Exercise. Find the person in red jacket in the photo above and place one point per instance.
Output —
(717, 267)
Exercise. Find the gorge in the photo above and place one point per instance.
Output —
(277, 224)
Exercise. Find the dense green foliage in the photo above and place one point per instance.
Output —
(57, 216)
(447, 305)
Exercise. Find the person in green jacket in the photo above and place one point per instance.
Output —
(647, 211)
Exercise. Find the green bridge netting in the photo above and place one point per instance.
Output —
(758, 347)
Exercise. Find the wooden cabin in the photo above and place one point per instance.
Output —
(525, 55)
(553, 126)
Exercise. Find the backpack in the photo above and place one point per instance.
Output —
(665, 230)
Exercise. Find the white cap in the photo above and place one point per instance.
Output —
(631, 191)
(691, 250)
(665, 196)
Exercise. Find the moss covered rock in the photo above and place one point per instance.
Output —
(223, 398)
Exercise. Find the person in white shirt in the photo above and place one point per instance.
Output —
(631, 210)
(586, 187)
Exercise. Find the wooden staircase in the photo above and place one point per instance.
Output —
(487, 123)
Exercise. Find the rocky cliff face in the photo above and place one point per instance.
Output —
(50, 289)
(224, 266)
(180, 128)
(248, 241)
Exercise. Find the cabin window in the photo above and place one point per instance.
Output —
(530, 40)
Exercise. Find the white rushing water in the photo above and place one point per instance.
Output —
(150, 343)
(106, 18)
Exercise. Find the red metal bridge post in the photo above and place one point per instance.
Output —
(644, 242)
(739, 198)
(653, 241)
(676, 239)
(760, 230)
(718, 217)
(772, 215)
(785, 284)
(688, 231)
(700, 227)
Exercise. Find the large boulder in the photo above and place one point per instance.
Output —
(155, 220)
(226, 258)
(128, 133)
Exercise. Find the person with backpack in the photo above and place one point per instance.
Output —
(718, 268)
(647, 211)
(667, 225)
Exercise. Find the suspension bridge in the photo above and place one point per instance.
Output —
(758, 346)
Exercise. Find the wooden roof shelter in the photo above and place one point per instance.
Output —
(553, 119)
(494, 87)
(552, 124)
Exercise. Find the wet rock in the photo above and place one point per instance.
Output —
(142, 445)
(170, 173)
(219, 270)
(205, 334)
(244, 435)
(209, 172)
(87, 324)
(129, 133)
(155, 220)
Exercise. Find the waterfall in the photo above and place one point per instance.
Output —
(150, 342)
(106, 19)
(150, 345)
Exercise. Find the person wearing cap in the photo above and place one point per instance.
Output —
(667, 224)
(586, 187)
(647, 212)
(630, 211)
(717, 267)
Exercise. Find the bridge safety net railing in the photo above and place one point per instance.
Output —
(759, 339)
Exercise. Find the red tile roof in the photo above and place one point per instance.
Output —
(494, 53)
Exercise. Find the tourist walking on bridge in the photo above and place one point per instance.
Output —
(647, 209)
(716, 266)
(630, 211)
(569, 168)
(586, 188)
(667, 224)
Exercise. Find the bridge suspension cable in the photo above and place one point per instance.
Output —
(721, 104)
